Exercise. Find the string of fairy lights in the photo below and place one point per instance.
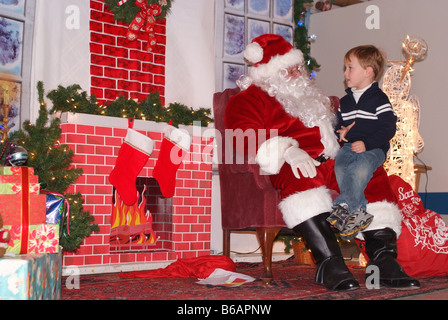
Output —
(73, 99)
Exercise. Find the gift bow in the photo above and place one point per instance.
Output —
(146, 16)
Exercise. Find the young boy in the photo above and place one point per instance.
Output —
(367, 122)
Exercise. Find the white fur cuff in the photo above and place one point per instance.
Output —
(139, 141)
(301, 206)
(386, 215)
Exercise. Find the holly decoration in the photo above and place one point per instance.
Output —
(140, 15)
(126, 10)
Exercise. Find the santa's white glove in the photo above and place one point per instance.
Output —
(299, 159)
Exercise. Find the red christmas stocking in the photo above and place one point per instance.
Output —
(133, 154)
(175, 146)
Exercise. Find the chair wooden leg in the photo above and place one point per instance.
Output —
(266, 237)
(226, 242)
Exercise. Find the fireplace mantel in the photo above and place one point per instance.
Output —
(122, 123)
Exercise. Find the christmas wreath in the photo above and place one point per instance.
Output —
(140, 15)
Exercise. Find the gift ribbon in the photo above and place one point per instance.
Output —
(66, 203)
(146, 16)
(25, 210)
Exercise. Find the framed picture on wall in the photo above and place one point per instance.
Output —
(13, 6)
(16, 56)
(11, 46)
(11, 94)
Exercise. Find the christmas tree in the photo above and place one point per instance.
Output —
(52, 162)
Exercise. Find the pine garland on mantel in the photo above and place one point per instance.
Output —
(73, 99)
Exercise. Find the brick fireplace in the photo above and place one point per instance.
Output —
(181, 224)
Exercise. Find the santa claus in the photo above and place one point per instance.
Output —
(297, 148)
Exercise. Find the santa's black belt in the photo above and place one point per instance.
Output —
(321, 159)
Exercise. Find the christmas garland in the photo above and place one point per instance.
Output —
(73, 99)
(301, 38)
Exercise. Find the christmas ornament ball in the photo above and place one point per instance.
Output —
(18, 156)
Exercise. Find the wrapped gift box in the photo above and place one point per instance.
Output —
(54, 207)
(24, 212)
(20, 201)
(14, 188)
(12, 176)
(17, 171)
(40, 238)
(13, 209)
(31, 277)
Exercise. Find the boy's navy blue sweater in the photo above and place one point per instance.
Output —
(374, 117)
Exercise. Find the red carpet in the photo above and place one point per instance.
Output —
(292, 282)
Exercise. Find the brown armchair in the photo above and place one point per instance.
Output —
(248, 199)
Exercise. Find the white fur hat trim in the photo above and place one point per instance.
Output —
(253, 52)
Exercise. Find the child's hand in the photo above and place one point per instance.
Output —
(343, 132)
(358, 147)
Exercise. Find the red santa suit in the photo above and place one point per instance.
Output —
(284, 122)
(254, 110)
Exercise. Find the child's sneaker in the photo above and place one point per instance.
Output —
(351, 228)
(338, 216)
(364, 218)
(354, 223)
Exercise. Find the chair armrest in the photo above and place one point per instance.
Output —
(262, 181)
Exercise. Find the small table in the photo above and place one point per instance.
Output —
(419, 169)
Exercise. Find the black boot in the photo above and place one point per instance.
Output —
(332, 271)
(381, 248)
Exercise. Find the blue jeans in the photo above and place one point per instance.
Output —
(353, 173)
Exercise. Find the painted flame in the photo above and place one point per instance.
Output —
(124, 215)
(134, 215)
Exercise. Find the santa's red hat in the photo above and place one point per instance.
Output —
(270, 52)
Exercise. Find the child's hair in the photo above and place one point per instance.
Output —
(368, 56)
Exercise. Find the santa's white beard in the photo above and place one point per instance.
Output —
(299, 96)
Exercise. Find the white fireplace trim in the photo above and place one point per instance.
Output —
(114, 268)
(122, 123)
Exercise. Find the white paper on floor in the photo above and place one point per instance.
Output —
(221, 277)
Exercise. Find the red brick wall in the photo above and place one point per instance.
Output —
(96, 148)
(119, 66)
